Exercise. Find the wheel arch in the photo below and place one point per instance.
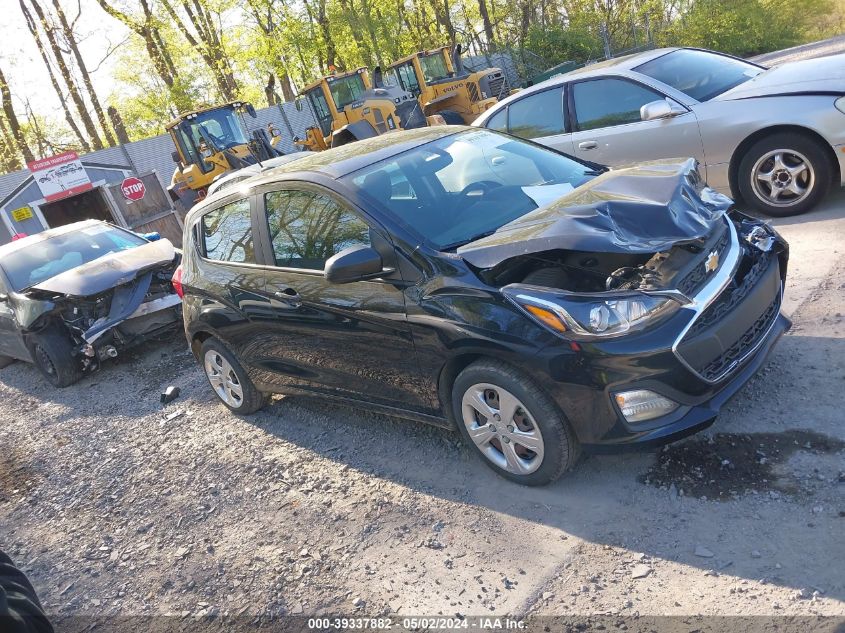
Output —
(742, 149)
(197, 339)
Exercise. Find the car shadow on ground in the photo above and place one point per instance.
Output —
(761, 489)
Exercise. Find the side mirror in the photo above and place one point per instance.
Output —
(378, 77)
(661, 109)
(356, 263)
(298, 103)
(250, 110)
(176, 158)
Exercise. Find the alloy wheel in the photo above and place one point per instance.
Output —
(223, 379)
(782, 177)
(502, 428)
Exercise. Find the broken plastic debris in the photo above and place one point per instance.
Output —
(170, 394)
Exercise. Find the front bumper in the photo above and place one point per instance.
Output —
(698, 358)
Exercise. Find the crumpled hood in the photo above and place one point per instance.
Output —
(110, 270)
(825, 74)
(643, 209)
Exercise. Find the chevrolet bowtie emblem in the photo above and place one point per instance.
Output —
(712, 261)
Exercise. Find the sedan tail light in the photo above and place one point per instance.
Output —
(176, 282)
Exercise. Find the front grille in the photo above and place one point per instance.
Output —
(472, 88)
(731, 296)
(695, 279)
(719, 366)
(731, 327)
(497, 87)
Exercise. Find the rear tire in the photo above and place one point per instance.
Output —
(52, 353)
(512, 424)
(229, 380)
(451, 117)
(784, 174)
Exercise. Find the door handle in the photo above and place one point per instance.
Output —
(588, 145)
(289, 296)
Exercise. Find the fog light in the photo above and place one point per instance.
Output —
(640, 405)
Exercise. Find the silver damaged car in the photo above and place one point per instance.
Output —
(774, 137)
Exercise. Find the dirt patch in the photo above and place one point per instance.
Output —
(728, 465)
(16, 478)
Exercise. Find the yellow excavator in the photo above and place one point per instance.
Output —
(211, 142)
(443, 87)
(348, 108)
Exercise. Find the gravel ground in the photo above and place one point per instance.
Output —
(117, 506)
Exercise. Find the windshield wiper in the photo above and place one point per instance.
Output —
(454, 245)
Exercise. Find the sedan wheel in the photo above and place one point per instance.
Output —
(519, 431)
(783, 177)
(784, 174)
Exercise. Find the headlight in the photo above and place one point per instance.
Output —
(586, 317)
(840, 104)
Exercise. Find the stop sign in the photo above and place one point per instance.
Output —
(133, 189)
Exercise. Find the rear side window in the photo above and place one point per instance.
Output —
(227, 233)
(537, 115)
(608, 102)
(307, 228)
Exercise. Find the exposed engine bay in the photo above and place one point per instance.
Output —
(109, 305)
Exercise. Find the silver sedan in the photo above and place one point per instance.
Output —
(773, 137)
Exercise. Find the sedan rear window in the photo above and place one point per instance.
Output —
(699, 74)
(29, 267)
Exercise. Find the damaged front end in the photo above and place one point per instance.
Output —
(659, 292)
(624, 252)
(109, 305)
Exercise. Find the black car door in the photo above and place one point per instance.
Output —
(349, 339)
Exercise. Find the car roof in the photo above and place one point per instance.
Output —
(37, 238)
(622, 65)
(340, 161)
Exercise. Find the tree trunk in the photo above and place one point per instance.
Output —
(270, 90)
(156, 48)
(288, 92)
(117, 124)
(488, 26)
(12, 120)
(70, 38)
(9, 159)
(75, 95)
(71, 121)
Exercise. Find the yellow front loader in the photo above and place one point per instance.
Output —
(211, 142)
(348, 108)
(443, 87)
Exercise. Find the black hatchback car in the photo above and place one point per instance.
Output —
(471, 279)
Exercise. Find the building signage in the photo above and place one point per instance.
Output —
(60, 176)
(19, 215)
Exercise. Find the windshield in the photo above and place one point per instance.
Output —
(699, 74)
(346, 90)
(466, 185)
(29, 267)
(434, 66)
(222, 127)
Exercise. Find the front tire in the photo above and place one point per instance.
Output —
(516, 428)
(229, 380)
(52, 353)
(784, 174)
